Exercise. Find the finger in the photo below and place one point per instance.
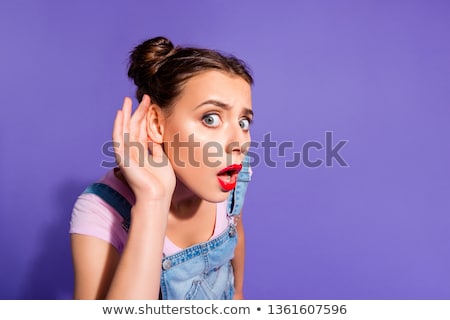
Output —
(138, 124)
(117, 136)
(118, 126)
(142, 109)
(126, 109)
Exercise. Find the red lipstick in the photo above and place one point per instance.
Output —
(227, 177)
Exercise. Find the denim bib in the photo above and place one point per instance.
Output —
(202, 271)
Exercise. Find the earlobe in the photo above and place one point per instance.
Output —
(155, 123)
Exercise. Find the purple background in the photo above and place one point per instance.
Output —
(375, 73)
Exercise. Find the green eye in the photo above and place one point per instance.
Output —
(211, 120)
(244, 124)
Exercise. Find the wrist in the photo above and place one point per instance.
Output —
(145, 209)
(147, 203)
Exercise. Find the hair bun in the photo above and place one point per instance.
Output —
(146, 58)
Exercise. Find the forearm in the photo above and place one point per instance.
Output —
(239, 261)
(139, 269)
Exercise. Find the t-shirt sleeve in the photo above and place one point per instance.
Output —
(92, 216)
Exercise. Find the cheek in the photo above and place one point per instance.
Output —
(186, 150)
(190, 145)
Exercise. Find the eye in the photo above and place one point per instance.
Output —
(244, 123)
(211, 120)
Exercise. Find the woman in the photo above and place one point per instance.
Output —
(164, 223)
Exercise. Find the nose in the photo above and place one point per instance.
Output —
(234, 147)
(238, 143)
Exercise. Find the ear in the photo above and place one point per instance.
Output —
(155, 123)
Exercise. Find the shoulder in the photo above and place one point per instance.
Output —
(92, 216)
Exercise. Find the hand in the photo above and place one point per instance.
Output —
(149, 174)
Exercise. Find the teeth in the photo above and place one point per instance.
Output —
(226, 177)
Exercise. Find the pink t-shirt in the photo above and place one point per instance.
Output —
(92, 216)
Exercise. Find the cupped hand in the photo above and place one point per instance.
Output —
(149, 174)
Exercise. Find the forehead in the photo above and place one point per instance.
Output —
(216, 85)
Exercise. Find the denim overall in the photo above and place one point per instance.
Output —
(202, 271)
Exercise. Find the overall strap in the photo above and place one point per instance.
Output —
(237, 195)
(114, 199)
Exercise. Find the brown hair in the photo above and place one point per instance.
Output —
(160, 70)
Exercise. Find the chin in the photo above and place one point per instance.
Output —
(204, 190)
(217, 198)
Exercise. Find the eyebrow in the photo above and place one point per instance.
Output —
(221, 104)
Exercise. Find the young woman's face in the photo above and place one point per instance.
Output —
(208, 131)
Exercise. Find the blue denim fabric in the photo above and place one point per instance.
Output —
(237, 195)
(114, 199)
(201, 272)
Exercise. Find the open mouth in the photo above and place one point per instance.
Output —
(227, 177)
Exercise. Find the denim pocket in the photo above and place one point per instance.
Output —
(200, 291)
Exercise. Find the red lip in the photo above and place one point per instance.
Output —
(234, 167)
(227, 177)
